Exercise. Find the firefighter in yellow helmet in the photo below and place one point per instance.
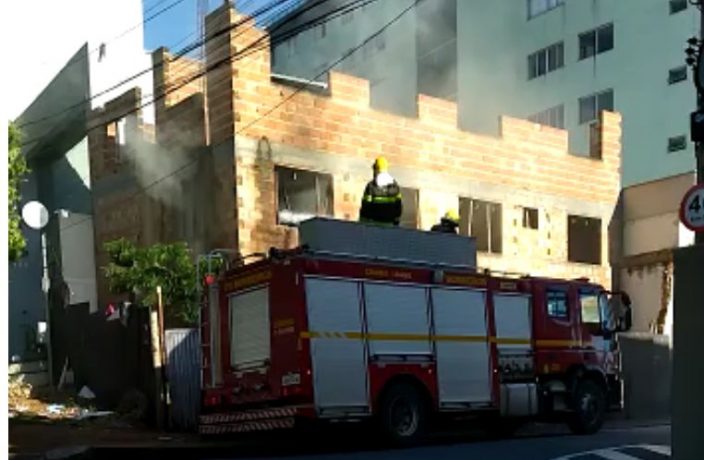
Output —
(448, 224)
(381, 202)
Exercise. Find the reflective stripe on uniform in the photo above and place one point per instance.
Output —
(381, 199)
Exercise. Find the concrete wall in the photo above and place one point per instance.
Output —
(647, 367)
(78, 259)
(688, 365)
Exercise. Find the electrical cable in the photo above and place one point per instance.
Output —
(296, 92)
(258, 45)
(183, 52)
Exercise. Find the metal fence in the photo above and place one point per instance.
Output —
(183, 374)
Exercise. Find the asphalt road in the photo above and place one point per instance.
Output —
(624, 443)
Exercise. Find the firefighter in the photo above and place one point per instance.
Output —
(381, 203)
(448, 224)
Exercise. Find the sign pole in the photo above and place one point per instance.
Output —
(695, 59)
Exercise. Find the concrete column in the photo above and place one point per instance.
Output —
(688, 364)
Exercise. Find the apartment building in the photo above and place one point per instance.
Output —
(554, 62)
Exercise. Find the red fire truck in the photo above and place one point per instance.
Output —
(305, 335)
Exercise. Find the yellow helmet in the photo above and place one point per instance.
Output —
(452, 216)
(381, 164)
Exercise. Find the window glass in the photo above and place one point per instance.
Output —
(557, 306)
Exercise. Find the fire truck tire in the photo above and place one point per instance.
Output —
(403, 413)
(589, 408)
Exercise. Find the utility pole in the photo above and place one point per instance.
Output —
(695, 59)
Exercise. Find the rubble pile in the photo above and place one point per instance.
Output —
(27, 402)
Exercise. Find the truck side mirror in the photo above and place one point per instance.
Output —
(626, 321)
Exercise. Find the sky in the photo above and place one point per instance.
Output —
(177, 27)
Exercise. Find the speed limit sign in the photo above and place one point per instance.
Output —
(692, 208)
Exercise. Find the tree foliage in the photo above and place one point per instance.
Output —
(138, 271)
(17, 169)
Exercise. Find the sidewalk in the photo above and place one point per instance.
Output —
(32, 439)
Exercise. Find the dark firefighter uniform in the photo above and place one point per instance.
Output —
(381, 202)
(448, 224)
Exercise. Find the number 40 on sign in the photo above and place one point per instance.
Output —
(692, 208)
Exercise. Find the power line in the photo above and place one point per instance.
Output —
(250, 49)
(82, 57)
(183, 52)
(292, 95)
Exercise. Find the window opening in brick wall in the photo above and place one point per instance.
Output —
(302, 195)
(584, 240)
(677, 5)
(676, 143)
(594, 140)
(590, 106)
(482, 220)
(677, 75)
(596, 41)
(530, 218)
(409, 216)
(556, 304)
(546, 60)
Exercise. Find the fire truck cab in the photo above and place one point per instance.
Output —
(399, 327)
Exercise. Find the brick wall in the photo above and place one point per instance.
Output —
(339, 134)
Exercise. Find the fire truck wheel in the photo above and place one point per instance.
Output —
(403, 413)
(589, 408)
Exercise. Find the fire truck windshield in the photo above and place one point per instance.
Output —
(597, 311)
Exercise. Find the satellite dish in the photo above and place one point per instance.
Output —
(35, 215)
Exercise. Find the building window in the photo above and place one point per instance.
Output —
(590, 106)
(554, 116)
(302, 195)
(116, 130)
(556, 304)
(102, 50)
(584, 240)
(530, 218)
(538, 7)
(409, 216)
(596, 41)
(677, 5)
(323, 30)
(546, 60)
(482, 220)
(677, 75)
(677, 143)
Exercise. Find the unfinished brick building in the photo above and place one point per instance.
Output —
(268, 158)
